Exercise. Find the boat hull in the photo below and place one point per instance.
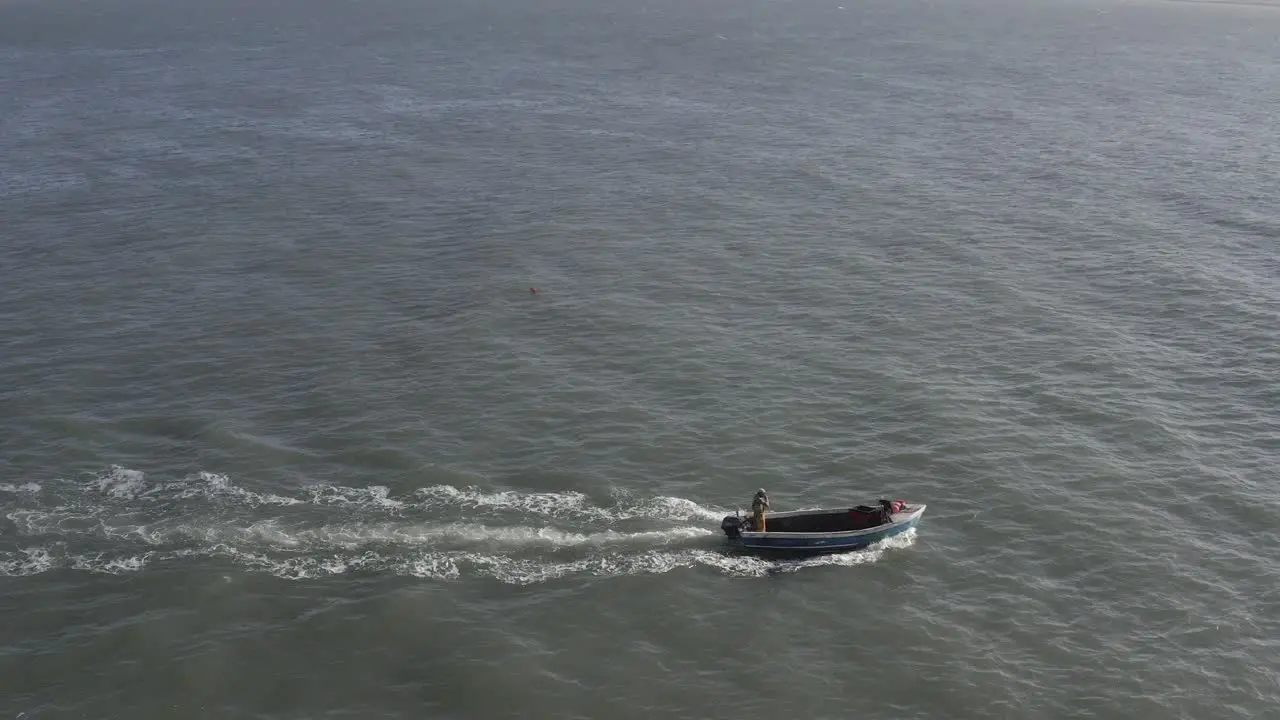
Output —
(813, 543)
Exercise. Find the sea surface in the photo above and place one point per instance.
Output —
(286, 434)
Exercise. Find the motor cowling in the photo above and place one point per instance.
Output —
(732, 527)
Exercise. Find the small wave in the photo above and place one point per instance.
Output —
(23, 488)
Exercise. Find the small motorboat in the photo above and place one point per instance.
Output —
(824, 530)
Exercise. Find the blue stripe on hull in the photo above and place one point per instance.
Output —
(822, 544)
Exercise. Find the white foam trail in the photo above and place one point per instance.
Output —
(27, 561)
(101, 563)
(270, 534)
(529, 571)
(124, 484)
(499, 536)
(567, 504)
(59, 521)
(515, 571)
(36, 560)
(526, 572)
(551, 537)
(121, 482)
(375, 495)
(449, 565)
(301, 568)
(220, 485)
(469, 536)
(437, 568)
(669, 508)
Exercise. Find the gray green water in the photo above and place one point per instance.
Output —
(285, 435)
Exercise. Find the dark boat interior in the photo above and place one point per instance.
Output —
(856, 518)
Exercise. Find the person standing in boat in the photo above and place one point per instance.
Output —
(759, 504)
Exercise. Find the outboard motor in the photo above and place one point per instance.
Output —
(732, 527)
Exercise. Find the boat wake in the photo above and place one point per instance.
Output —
(119, 521)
